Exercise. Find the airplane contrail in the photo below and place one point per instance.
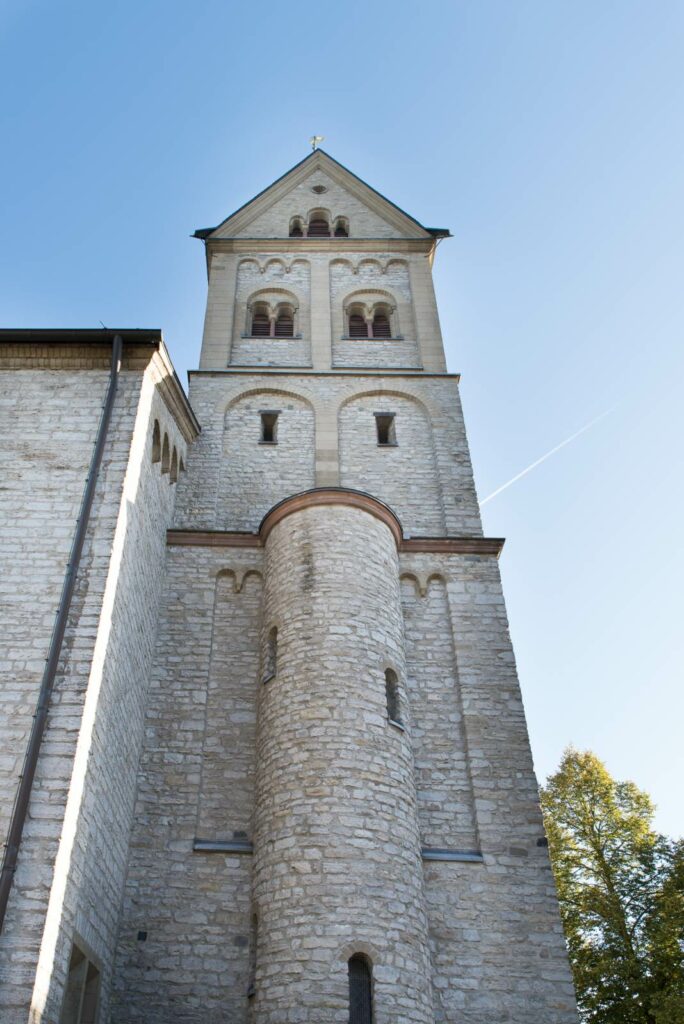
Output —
(546, 456)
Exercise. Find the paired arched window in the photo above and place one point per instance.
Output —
(363, 325)
(296, 228)
(360, 990)
(266, 324)
(341, 228)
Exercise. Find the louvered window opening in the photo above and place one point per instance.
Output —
(360, 991)
(341, 231)
(261, 325)
(284, 325)
(319, 228)
(381, 326)
(296, 231)
(357, 326)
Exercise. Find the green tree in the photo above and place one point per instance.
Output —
(621, 891)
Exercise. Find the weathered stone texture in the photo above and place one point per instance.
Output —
(75, 846)
(429, 486)
(254, 476)
(337, 201)
(496, 938)
(195, 779)
(446, 811)
(336, 844)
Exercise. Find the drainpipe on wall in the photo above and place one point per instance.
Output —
(21, 802)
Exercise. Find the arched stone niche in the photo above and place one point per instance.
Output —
(255, 476)
(405, 475)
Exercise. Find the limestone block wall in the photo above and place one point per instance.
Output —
(336, 201)
(496, 939)
(196, 780)
(369, 280)
(337, 866)
(72, 861)
(446, 810)
(272, 280)
(343, 447)
(320, 285)
(254, 475)
(404, 476)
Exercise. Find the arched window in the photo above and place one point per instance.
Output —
(174, 467)
(341, 228)
(284, 325)
(392, 697)
(156, 442)
(271, 661)
(296, 229)
(261, 323)
(381, 324)
(318, 226)
(166, 455)
(360, 990)
(358, 328)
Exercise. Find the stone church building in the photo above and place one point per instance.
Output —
(263, 752)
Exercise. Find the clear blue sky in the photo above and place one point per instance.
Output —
(549, 137)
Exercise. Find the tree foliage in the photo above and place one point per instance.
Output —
(621, 891)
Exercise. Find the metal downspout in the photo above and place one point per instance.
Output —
(21, 802)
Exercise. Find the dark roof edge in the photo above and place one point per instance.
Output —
(87, 335)
(205, 232)
(172, 390)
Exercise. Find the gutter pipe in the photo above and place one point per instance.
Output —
(21, 802)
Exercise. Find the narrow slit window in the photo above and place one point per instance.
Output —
(392, 697)
(387, 434)
(360, 990)
(269, 427)
(271, 659)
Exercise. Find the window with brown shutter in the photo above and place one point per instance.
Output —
(284, 325)
(357, 326)
(261, 325)
(319, 228)
(381, 326)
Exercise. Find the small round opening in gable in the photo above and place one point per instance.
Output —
(319, 189)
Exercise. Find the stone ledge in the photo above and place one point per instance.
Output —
(243, 846)
(484, 546)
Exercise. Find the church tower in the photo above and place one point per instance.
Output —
(286, 777)
(338, 816)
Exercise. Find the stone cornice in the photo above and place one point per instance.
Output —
(322, 497)
(298, 246)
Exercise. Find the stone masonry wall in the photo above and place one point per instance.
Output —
(337, 865)
(73, 856)
(272, 280)
(446, 811)
(404, 476)
(338, 201)
(195, 780)
(496, 939)
(444, 471)
(254, 475)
